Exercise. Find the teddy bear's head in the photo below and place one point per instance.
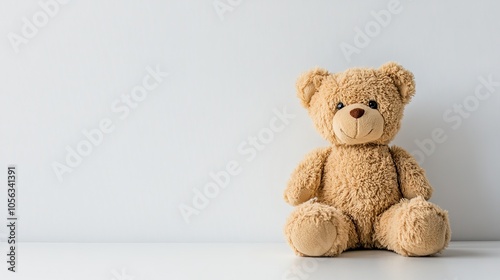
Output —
(357, 106)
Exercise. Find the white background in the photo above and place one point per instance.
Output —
(228, 72)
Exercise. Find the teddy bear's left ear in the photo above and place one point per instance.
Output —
(403, 79)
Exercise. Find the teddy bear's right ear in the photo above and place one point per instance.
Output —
(308, 84)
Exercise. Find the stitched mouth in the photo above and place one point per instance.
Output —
(354, 138)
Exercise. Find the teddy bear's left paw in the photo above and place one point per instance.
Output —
(425, 230)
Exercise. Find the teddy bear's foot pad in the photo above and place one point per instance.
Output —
(313, 239)
(428, 235)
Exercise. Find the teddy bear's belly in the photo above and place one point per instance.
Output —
(362, 187)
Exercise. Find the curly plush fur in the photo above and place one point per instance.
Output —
(360, 192)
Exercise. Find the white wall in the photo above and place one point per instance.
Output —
(226, 78)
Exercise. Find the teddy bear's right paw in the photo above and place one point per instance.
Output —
(297, 197)
(315, 229)
(313, 239)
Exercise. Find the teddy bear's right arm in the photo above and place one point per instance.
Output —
(306, 178)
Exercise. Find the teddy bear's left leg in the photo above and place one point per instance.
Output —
(413, 227)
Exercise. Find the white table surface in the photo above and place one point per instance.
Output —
(142, 261)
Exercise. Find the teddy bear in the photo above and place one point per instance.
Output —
(360, 192)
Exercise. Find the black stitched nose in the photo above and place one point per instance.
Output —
(357, 113)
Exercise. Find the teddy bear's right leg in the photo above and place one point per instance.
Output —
(315, 229)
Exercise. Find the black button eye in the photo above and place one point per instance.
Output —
(340, 105)
(373, 104)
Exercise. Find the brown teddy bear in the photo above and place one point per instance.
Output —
(359, 192)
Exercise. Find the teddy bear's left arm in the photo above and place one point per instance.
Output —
(411, 176)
